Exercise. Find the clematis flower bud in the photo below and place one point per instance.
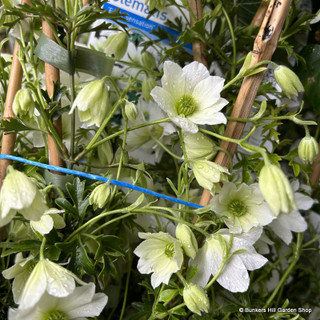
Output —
(131, 111)
(100, 195)
(288, 81)
(276, 190)
(198, 146)
(116, 45)
(208, 173)
(196, 298)
(189, 243)
(148, 60)
(23, 104)
(92, 103)
(147, 85)
(308, 149)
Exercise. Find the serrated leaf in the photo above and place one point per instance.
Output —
(79, 263)
(14, 124)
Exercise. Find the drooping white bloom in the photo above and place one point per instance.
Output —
(19, 194)
(242, 207)
(92, 103)
(81, 304)
(286, 223)
(20, 272)
(234, 276)
(209, 173)
(50, 218)
(190, 96)
(160, 254)
(276, 189)
(49, 277)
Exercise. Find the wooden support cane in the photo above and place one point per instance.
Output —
(198, 48)
(315, 175)
(52, 77)
(263, 49)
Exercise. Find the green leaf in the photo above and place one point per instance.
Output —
(168, 295)
(32, 246)
(16, 125)
(191, 272)
(79, 263)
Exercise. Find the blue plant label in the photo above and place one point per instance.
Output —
(138, 16)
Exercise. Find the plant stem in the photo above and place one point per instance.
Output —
(296, 255)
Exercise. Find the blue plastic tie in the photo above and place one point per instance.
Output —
(99, 178)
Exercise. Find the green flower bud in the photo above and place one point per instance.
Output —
(288, 81)
(198, 146)
(196, 299)
(148, 60)
(117, 45)
(147, 85)
(276, 190)
(189, 243)
(308, 149)
(92, 102)
(131, 111)
(23, 104)
(100, 196)
(208, 173)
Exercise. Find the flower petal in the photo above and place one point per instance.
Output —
(207, 92)
(194, 73)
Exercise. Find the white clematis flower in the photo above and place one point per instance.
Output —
(242, 207)
(190, 96)
(161, 254)
(19, 194)
(50, 218)
(292, 221)
(92, 103)
(234, 276)
(82, 303)
(20, 272)
(49, 277)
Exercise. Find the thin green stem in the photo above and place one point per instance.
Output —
(234, 47)
(126, 290)
(166, 149)
(296, 255)
(96, 144)
(42, 247)
(92, 221)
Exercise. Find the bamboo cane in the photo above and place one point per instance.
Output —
(52, 77)
(9, 140)
(263, 49)
(315, 175)
(198, 49)
(15, 79)
(259, 16)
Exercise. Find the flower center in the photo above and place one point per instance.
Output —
(186, 105)
(55, 315)
(237, 208)
(169, 250)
